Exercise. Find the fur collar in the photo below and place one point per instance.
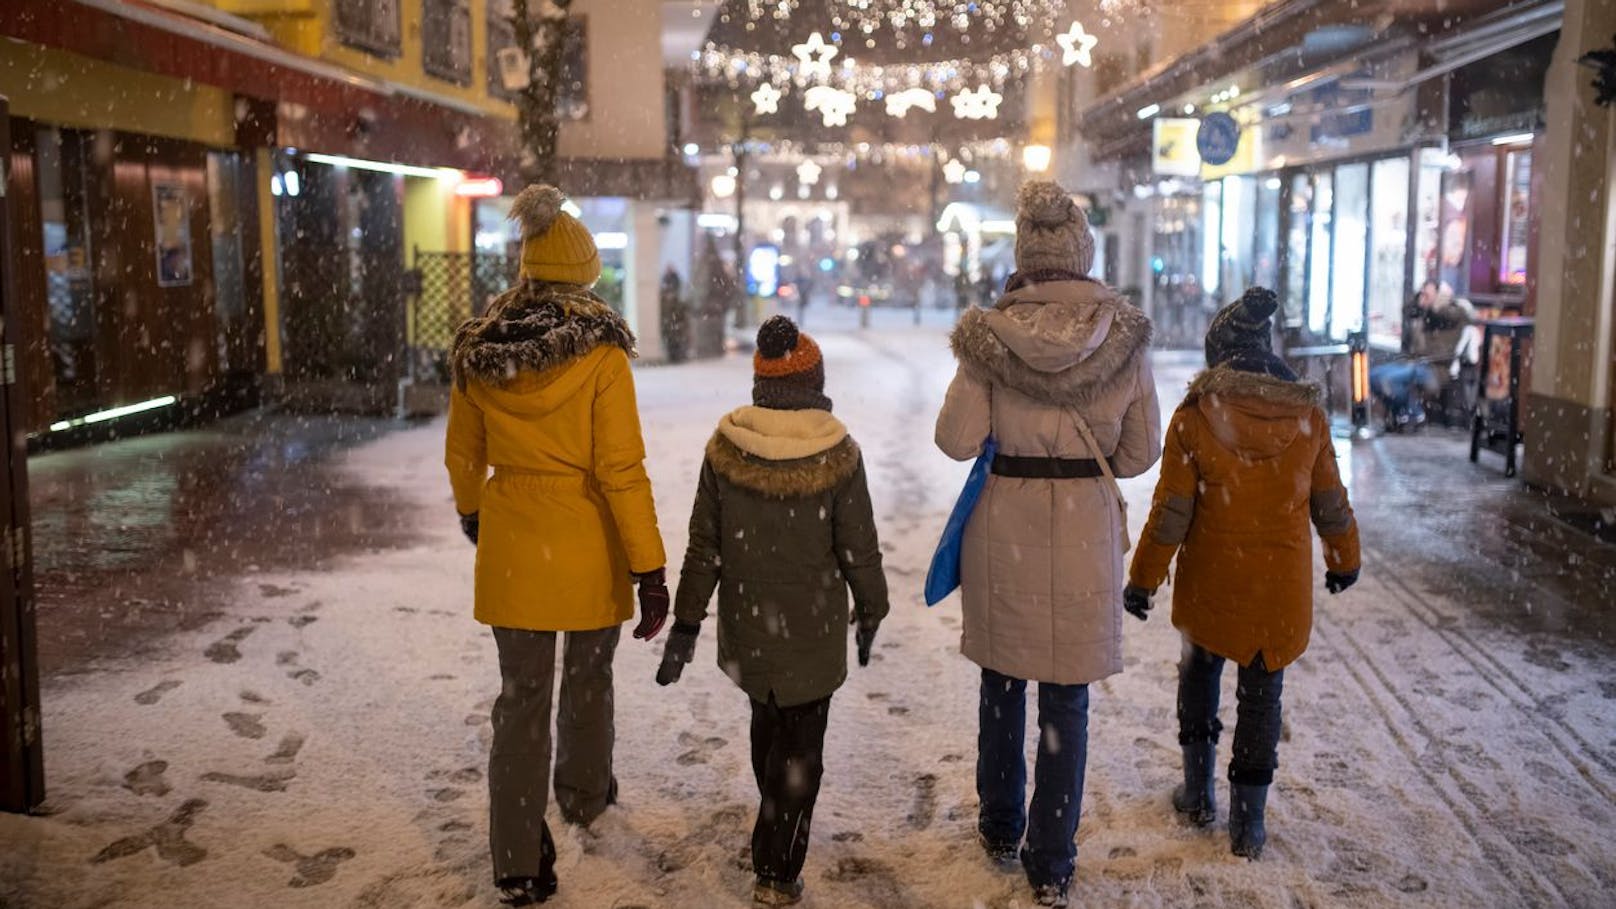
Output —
(781, 435)
(1236, 383)
(533, 327)
(799, 478)
(989, 359)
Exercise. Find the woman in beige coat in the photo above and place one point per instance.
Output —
(1058, 374)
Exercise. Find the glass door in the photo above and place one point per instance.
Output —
(1320, 253)
(69, 278)
(1297, 245)
(1351, 227)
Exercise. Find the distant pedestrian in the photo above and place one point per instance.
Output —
(1249, 461)
(1058, 372)
(564, 529)
(782, 528)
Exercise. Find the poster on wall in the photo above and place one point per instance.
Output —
(171, 208)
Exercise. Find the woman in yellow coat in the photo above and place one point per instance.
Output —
(564, 528)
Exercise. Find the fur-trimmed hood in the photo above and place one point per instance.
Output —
(533, 327)
(783, 454)
(1062, 343)
(1253, 414)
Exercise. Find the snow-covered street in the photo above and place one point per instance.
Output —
(323, 743)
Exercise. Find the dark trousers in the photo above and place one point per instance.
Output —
(519, 762)
(1257, 726)
(1050, 853)
(788, 759)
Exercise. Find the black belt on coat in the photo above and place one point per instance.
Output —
(1046, 468)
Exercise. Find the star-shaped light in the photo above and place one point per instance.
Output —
(899, 103)
(808, 172)
(982, 104)
(815, 56)
(954, 171)
(1076, 45)
(833, 104)
(767, 99)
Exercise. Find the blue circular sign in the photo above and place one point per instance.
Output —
(1218, 138)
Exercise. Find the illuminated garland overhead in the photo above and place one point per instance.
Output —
(852, 154)
(738, 68)
(866, 17)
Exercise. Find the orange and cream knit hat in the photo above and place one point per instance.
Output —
(556, 247)
(788, 370)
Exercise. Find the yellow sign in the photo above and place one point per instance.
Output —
(1175, 152)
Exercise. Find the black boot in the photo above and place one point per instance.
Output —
(529, 891)
(1194, 799)
(1246, 807)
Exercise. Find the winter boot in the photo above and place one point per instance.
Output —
(999, 853)
(1194, 799)
(1050, 895)
(529, 891)
(769, 892)
(1246, 807)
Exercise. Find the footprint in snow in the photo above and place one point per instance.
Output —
(147, 779)
(252, 697)
(224, 650)
(245, 725)
(302, 621)
(167, 838)
(701, 750)
(311, 870)
(273, 592)
(286, 751)
(924, 810)
(155, 693)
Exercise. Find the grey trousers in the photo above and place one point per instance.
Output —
(519, 763)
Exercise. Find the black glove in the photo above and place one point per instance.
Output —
(468, 526)
(654, 600)
(1136, 601)
(1337, 581)
(864, 638)
(680, 650)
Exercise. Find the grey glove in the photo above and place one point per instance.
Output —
(680, 650)
(1337, 581)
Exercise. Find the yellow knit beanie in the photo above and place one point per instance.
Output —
(556, 247)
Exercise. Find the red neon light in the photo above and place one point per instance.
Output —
(479, 188)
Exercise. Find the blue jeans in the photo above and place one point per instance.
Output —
(1258, 723)
(1050, 853)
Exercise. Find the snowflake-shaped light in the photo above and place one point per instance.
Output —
(808, 172)
(834, 105)
(981, 104)
(954, 171)
(815, 55)
(1076, 45)
(899, 103)
(767, 99)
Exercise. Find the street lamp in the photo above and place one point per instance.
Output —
(1037, 158)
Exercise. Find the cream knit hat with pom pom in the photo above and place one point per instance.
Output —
(1052, 233)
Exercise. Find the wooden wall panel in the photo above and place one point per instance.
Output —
(28, 280)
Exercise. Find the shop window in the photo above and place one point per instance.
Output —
(1517, 199)
(1296, 249)
(370, 25)
(1428, 215)
(1265, 250)
(446, 40)
(1319, 254)
(1351, 227)
(572, 97)
(1239, 238)
(1453, 249)
(1388, 261)
(70, 328)
(227, 225)
(1212, 242)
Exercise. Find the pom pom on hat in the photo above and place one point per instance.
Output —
(536, 208)
(1243, 329)
(1260, 303)
(1045, 204)
(776, 338)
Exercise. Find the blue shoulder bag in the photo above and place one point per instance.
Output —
(944, 576)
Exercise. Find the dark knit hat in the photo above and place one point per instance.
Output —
(1241, 335)
(788, 371)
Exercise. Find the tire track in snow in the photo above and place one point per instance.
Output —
(1529, 883)
(1463, 645)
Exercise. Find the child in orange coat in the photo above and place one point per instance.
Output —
(1248, 463)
